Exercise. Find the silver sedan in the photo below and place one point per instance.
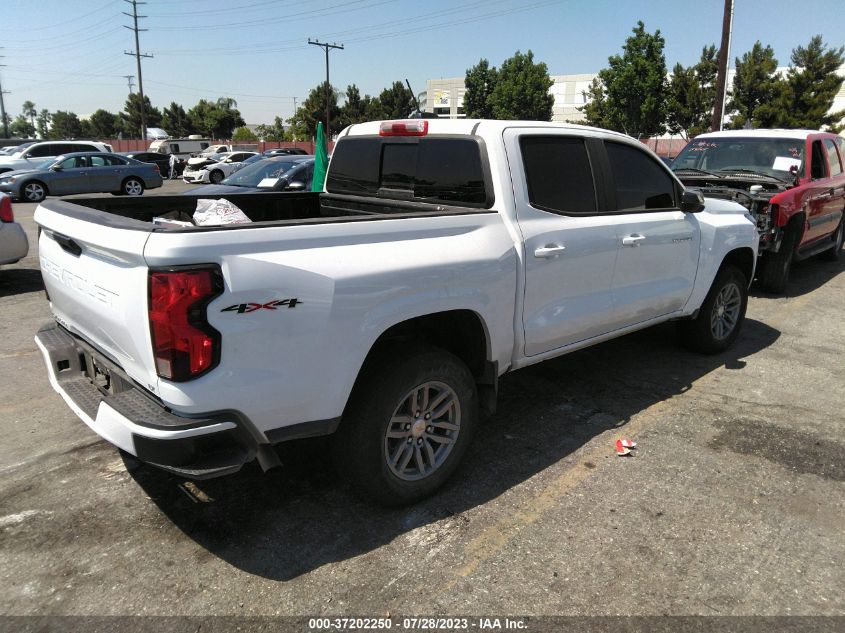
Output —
(82, 172)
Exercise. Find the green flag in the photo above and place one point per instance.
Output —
(321, 160)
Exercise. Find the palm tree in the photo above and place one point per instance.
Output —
(30, 111)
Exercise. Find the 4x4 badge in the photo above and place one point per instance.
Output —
(244, 308)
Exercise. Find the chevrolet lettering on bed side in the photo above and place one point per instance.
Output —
(441, 255)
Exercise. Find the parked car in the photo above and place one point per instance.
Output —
(162, 160)
(286, 151)
(31, 155)
(442, 255)
(13, 243)
(792, 181)
(213, 168)
(184, 148)
(275, 173)
(82, 172)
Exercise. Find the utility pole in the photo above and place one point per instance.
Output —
(326, 47)
(3, 105)
(129, 79)
(294, 114)
(138, 55)
(722, 74)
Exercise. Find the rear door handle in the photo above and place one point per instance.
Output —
(548, 251)
(632, 240)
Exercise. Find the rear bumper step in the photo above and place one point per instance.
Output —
(119, 412)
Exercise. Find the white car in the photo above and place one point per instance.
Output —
(213, 169)
(13, 243)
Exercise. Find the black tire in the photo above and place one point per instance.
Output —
(835, 253)
(369, 428)
(33, 191)
(776, 266)
(215, 177)
(132, 187)
(704, 334)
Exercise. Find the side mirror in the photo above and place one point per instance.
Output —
(296, 185)
(692, 201)
(55, 167)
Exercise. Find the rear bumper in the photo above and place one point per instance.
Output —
(121, 413)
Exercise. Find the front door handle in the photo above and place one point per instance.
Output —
(549, 250)
(632, 240)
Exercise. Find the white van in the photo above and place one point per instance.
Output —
(182, 147)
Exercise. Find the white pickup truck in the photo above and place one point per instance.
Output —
(442, 255)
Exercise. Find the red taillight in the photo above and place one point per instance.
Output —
(184, 344)
(156, 168)
(6, 214)
(411, 127)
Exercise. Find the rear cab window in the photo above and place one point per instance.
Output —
(432, 169)
(833, 159)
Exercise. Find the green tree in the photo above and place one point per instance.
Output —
(42, 123)
(633, 87)
(244, 134)
(521, 90)
(21, 128)
(216, 119)
(356, 109)
(275, 132)
(755, 88)
(479, 83)
(29, 111)
(313, 109)
(691, 94)
(102, 125)
(806, 96)
(176, 121)
(397, 102)
(131, 119)
(65, 125)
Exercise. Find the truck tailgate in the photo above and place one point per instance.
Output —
(96, 277)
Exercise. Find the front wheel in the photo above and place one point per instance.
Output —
(34, 191)
(721, 315)
(408, 424)
(216, 176)
(132, 187)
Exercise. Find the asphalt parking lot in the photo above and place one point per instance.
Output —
(733, 503)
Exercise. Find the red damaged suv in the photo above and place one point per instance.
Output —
(791, 181)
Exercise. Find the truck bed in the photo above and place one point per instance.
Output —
(261, 208)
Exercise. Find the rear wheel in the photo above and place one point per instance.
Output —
(408, 424)
(132, 187)
(835, 253)
(216, 176)
(721, 315)
(776, 266)
(34, 191)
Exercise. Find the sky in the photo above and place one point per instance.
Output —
(69, 54)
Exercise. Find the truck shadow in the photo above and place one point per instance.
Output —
(288, 522)
(17, 281)
(804, 277)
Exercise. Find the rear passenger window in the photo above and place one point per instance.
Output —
(446, 170)
(558, 174)
(832, 158)
(641, 183)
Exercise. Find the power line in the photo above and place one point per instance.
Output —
(138, 55)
